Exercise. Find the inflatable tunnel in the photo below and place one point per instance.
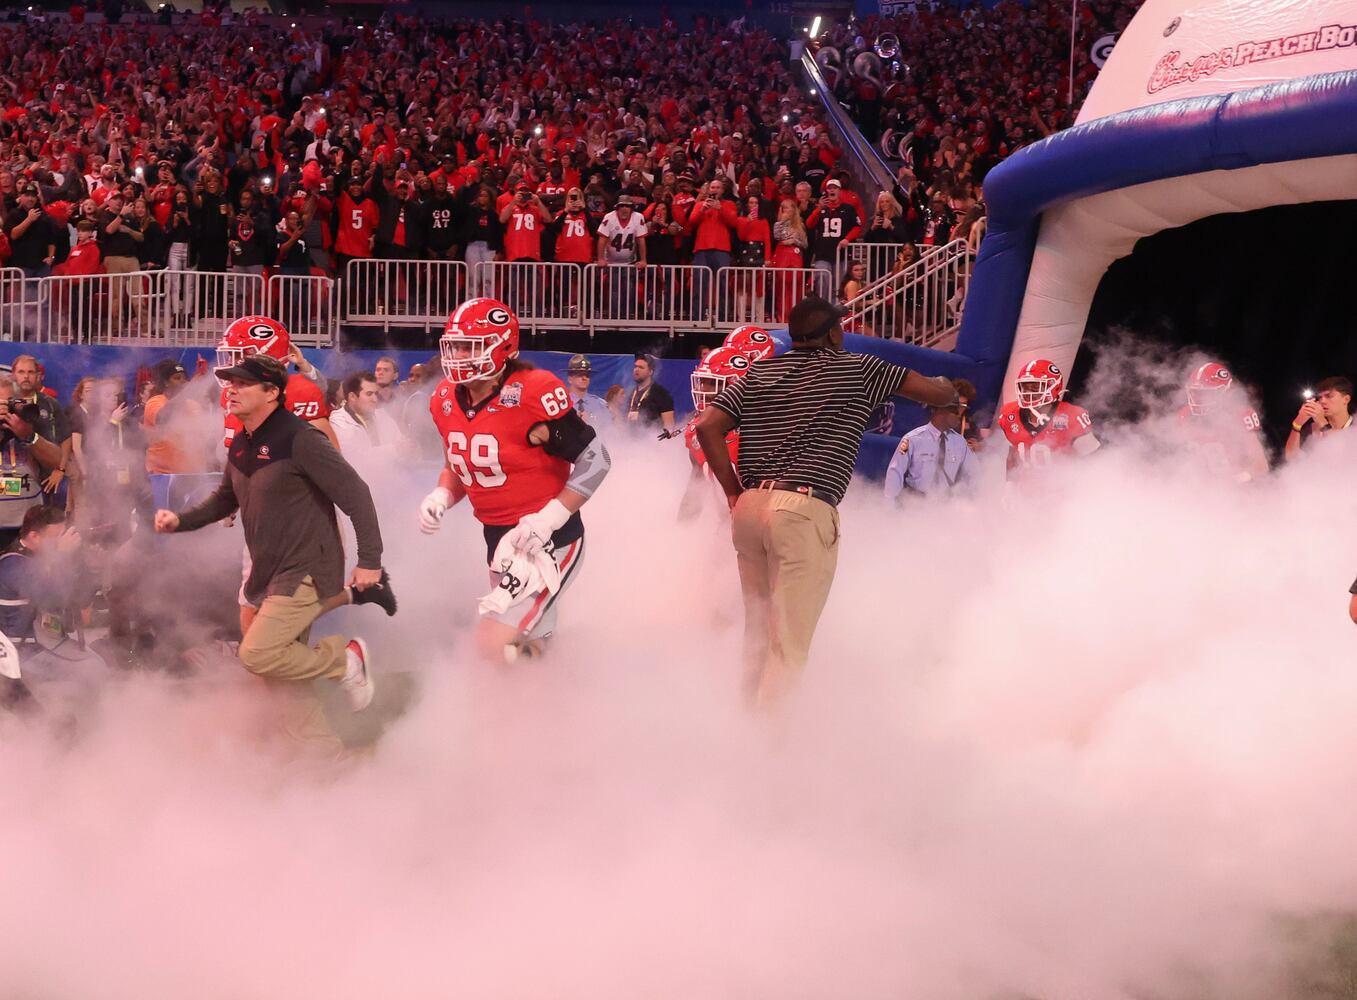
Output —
(1204, 108)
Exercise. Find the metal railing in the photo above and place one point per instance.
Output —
(18, 299)
(123, 308)
(879, 257)
(183, 308)
(180, 308)
(388, 293)
(921, 304)
(307, 304)
(195, 306)
(542, 294)
(669, 297)
(764, 296)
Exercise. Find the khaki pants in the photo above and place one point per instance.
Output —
(275, 647)
(787, 547)
(120, 289)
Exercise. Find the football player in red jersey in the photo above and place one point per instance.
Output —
(1040, 425)
(305, 393)
(721, 367)
(527, 462)
(1222, 426)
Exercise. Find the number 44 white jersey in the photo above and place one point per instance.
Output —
(622, 238)
(487, 445)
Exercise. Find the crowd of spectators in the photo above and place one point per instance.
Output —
(296, 148)
(257, 150)
(958, 90)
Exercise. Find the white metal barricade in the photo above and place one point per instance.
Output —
(307, 305)
(196, 306)
(921, 304)
(658, 297)
(18, 304)
(389, 293)
(976, 235)
(879, 258)
(765, 295)
(120, 308)
(542, 294)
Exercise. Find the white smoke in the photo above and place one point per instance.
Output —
(1096, 745)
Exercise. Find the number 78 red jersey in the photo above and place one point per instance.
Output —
(487, 446)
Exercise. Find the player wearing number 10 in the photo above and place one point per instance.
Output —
(524, 458)
(1040, 425)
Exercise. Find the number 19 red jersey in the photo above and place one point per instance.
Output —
(487, 445)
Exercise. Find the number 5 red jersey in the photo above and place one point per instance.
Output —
(487, 445)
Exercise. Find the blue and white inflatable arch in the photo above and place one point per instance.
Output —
(1205, 107)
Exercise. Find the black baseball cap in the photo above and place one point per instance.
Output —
(813, 317)
(257, 368)
(169, 368)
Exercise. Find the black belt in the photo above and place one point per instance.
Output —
(791, 487)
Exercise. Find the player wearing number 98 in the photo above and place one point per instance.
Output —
(1040, 425)
(523, 457)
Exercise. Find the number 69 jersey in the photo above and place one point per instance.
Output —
(487, 446)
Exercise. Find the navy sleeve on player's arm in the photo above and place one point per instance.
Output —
(567, 436)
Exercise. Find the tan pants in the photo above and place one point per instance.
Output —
(275, 646)
(787, 547)
(120, 289)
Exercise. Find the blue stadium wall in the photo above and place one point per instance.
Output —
(66, 365)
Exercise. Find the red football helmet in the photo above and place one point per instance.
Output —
(253, 335)
(479, 340)
(1040, 383)
(1209, 382)
(751, 341)
(721, 367)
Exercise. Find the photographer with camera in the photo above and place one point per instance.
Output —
(50, 423)
(23, 453)
(42, 580)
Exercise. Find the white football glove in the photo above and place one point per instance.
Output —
(432, 508)
(533, 531)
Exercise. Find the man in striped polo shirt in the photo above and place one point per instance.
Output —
(801, 418)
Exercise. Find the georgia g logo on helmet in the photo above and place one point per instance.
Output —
(253, 335)
(478, 341)
(1039, 384)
